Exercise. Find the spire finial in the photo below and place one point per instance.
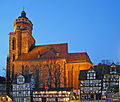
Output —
(23, 8)
(23, 14)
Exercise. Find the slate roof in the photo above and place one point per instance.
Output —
(78, 57)
(23, 15)
(106, 68)
(45, 52)
(54, 51)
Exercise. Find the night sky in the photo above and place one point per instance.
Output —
(91, 26)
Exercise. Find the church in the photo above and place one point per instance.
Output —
(52, 65)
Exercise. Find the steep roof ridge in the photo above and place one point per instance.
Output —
(52, 44)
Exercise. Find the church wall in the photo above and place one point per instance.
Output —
(31, 40)
(72, 73)
(18, 43)
(11, 51)
(25, 42)
(41, 71)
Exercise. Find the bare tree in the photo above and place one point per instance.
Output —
(56, 74)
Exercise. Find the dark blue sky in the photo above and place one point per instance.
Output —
(91, 26)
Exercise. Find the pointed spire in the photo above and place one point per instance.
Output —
(23, 14)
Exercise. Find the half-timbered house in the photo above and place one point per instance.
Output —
(90, 84)
(22, 88)
(110, 76)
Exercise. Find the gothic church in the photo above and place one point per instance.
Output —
(52, 65)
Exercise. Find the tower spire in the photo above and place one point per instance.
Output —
(23, 14)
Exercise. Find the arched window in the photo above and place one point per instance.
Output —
(13, 44)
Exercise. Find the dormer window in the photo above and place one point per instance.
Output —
(38, 54)
(57, 54)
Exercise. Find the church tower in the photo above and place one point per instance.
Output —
(20, 41)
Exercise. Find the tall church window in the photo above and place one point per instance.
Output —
(13, 44)
(13, 57)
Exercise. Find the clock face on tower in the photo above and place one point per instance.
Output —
(20, 79)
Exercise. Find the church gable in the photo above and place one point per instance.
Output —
(48, 54)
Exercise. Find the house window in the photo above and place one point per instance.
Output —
(113, 69)
(88, 76)
(38, 54)
(91, 75)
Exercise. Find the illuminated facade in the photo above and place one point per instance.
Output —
(51, 65)
(52, 95)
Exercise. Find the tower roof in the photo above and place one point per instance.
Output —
(23, 14)
(23, 20)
